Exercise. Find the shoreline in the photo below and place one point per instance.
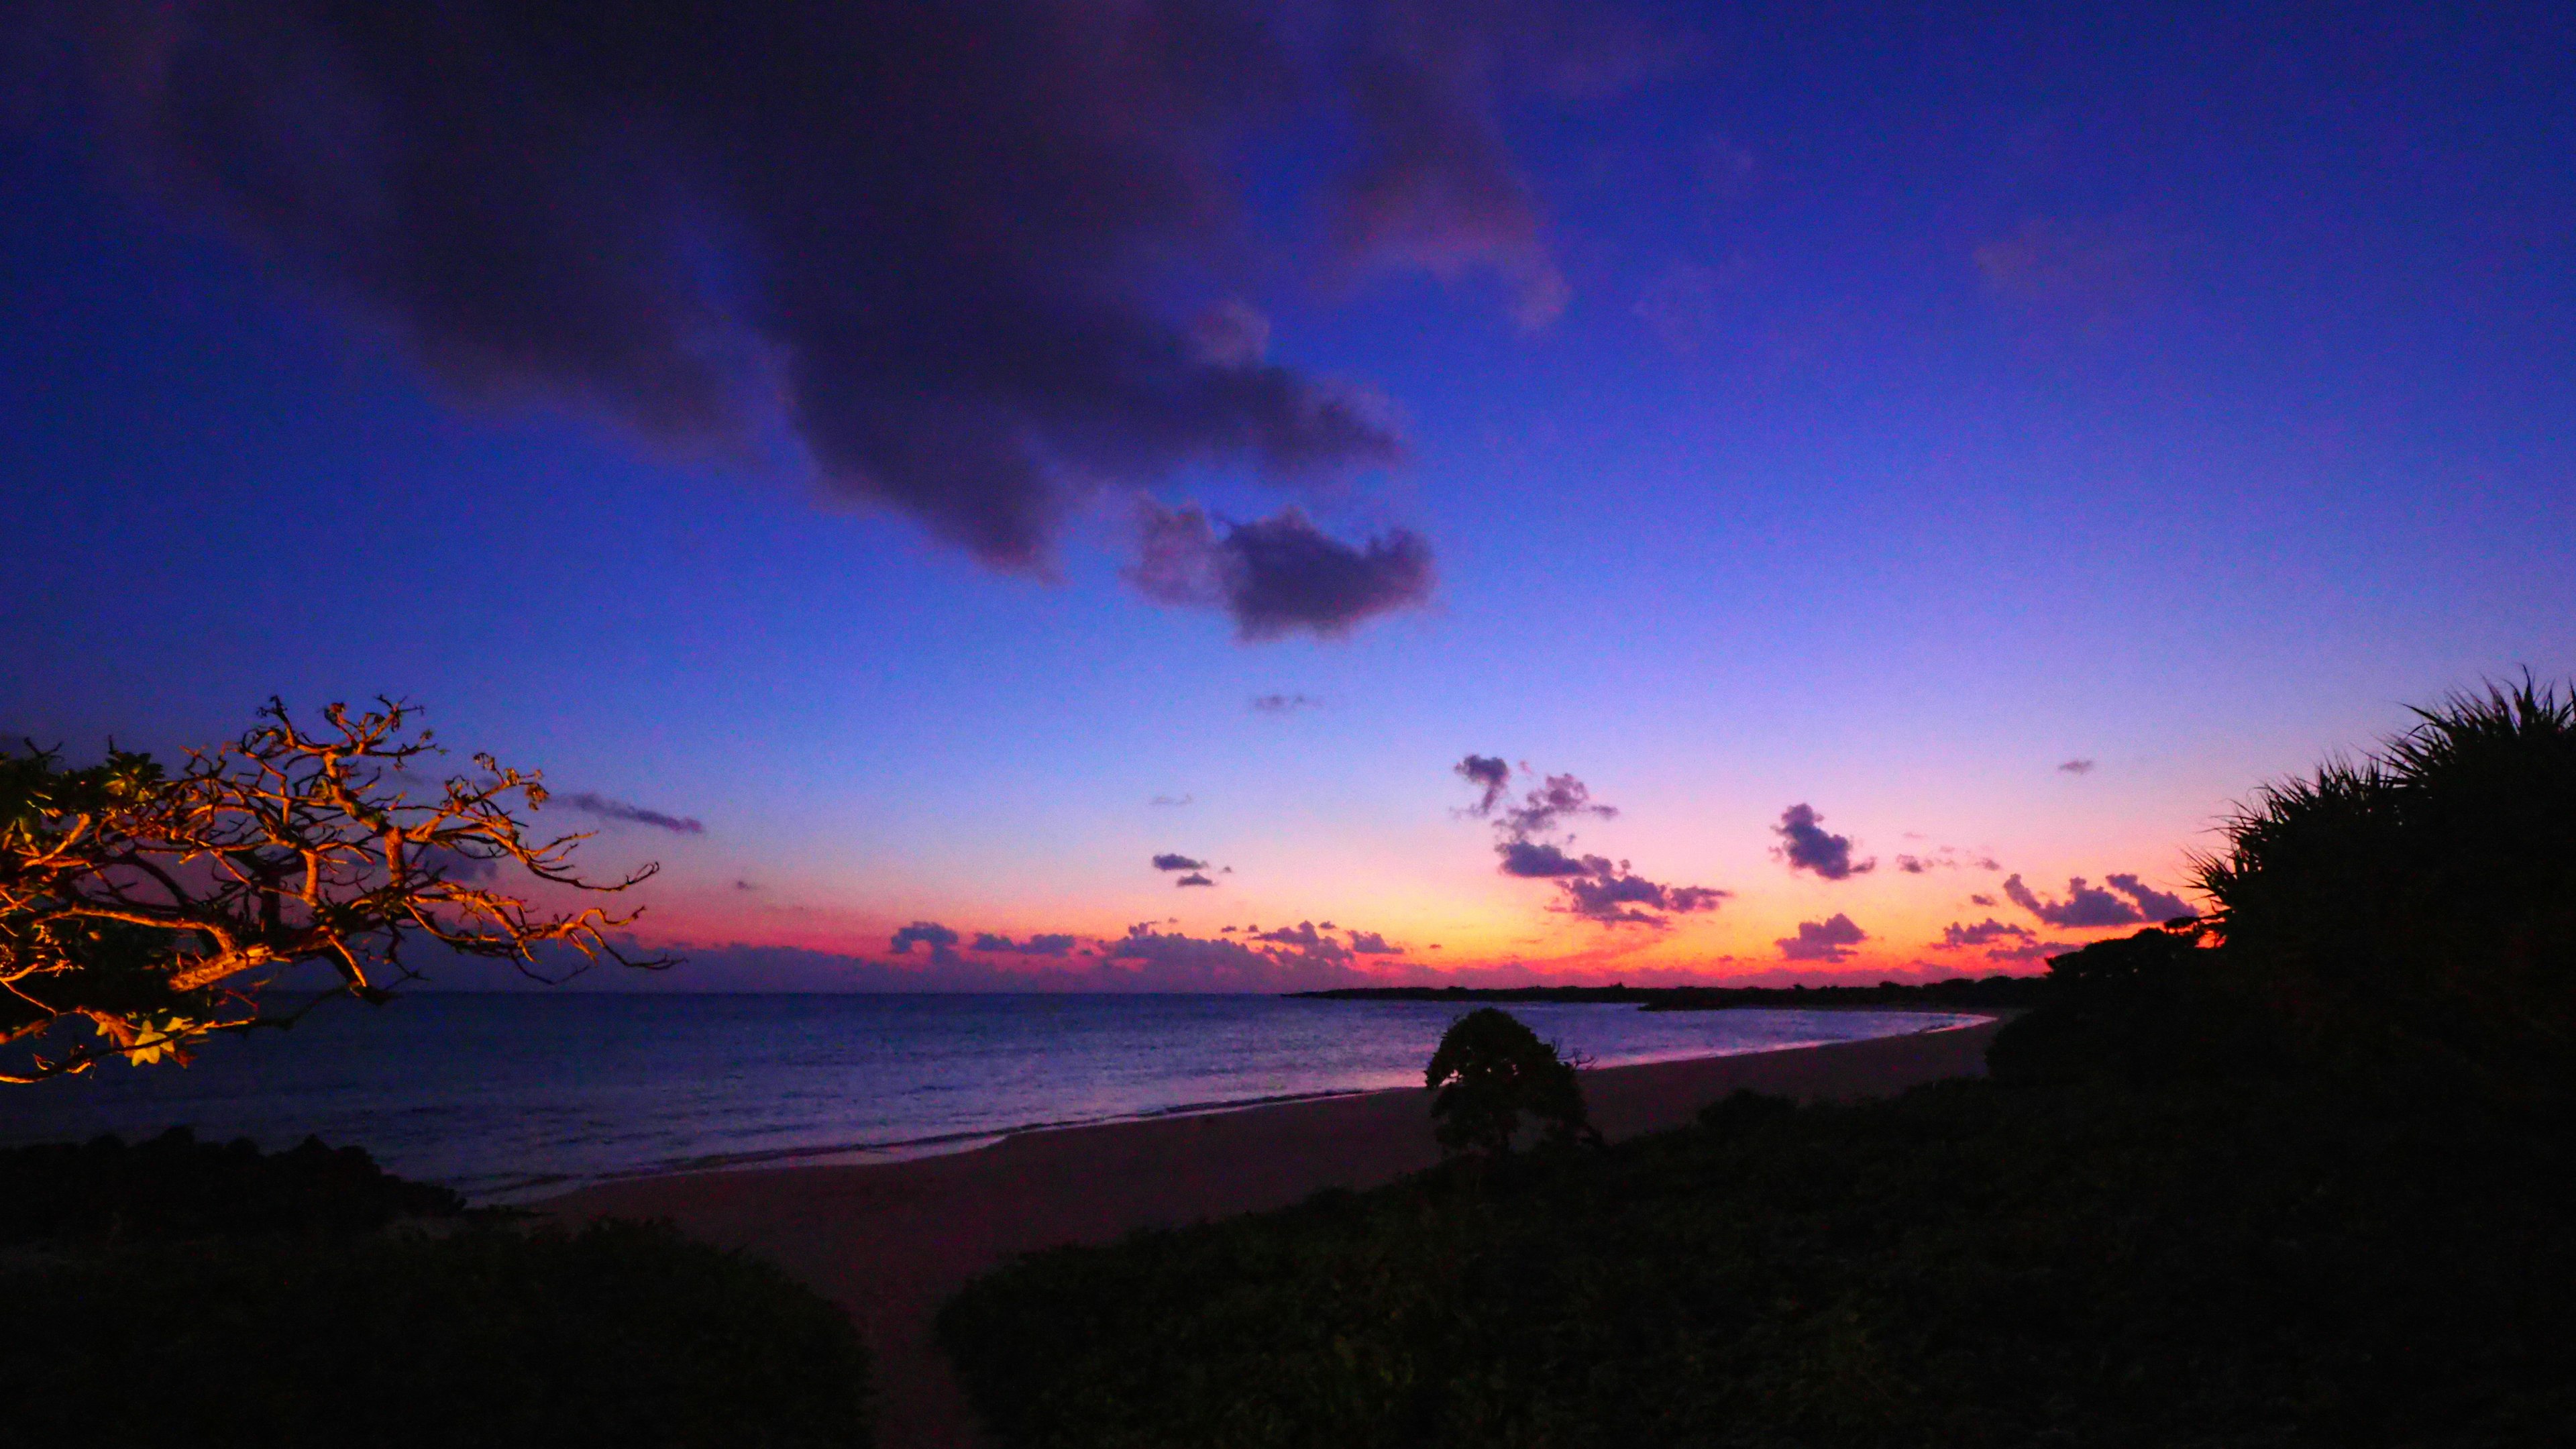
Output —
(946, 1144)
(890, 1241)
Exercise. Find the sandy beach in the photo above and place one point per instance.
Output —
(891, 1241)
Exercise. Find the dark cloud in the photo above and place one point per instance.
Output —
(1284, 703)
(618, 810)
(1172, 802)
(1619, 898)
(1309, 940)
(2085, 906)
(1182, 963)
(1594, 887)
(1173, 860)
(744, 885)
(1278, 575)
(1806, 845)
(2076, 767)
(1534, 860)
(1982, 900)
(1370, 943)
(942, 244)
(941, 940)
(1489, 774)
(1040, 945)
(2153, 904)
(1193, 879)
(1917, 865)
(1984, 933)
(1826, 940)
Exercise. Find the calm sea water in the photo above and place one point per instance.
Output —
(508, 1097)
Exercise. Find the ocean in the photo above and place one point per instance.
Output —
(510, 1097)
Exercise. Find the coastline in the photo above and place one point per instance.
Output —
(890, 1241)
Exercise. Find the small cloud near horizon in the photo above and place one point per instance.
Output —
(1174, 860)
(941, 941)
(1193, 879)
(1053, 944)
(2089, 907)
(1830, 939)
(1172, 802)
(2076, 767)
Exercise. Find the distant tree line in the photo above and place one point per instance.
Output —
(1960, 992)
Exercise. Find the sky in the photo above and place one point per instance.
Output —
(1232, 496)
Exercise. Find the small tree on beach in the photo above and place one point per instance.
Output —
(162, 908)
(1490, 1069)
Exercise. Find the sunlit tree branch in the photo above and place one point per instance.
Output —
(158, 909)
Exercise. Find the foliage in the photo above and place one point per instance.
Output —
(2413, 915)
(622, 1336)
(1488, 1070)
(175, 1187)
(2200, 1264)
(2155, 1006)
(157, 908)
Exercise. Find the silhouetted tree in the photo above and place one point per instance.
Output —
(2417, 910)
(158, 908)
(1488, 1071)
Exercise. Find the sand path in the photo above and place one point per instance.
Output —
(891, 1241)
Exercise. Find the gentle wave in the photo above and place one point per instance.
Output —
(509, 1097)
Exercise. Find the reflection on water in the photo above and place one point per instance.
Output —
(513, 1096)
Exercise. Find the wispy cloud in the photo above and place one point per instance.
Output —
(1284, 703)
(2077, 767)
(625, 814)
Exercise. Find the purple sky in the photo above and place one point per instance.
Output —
(1857, 489)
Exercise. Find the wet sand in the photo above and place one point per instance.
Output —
(891, 1241)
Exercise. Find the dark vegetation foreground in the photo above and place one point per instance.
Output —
(179, 1293)
(2298, 1174)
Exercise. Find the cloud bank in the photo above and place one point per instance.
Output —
(972, 259)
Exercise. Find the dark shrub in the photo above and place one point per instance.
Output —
(1490, 1069)
(622, 1336)
(2156, 1006)
(174, 1186)
(2201, 1264)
